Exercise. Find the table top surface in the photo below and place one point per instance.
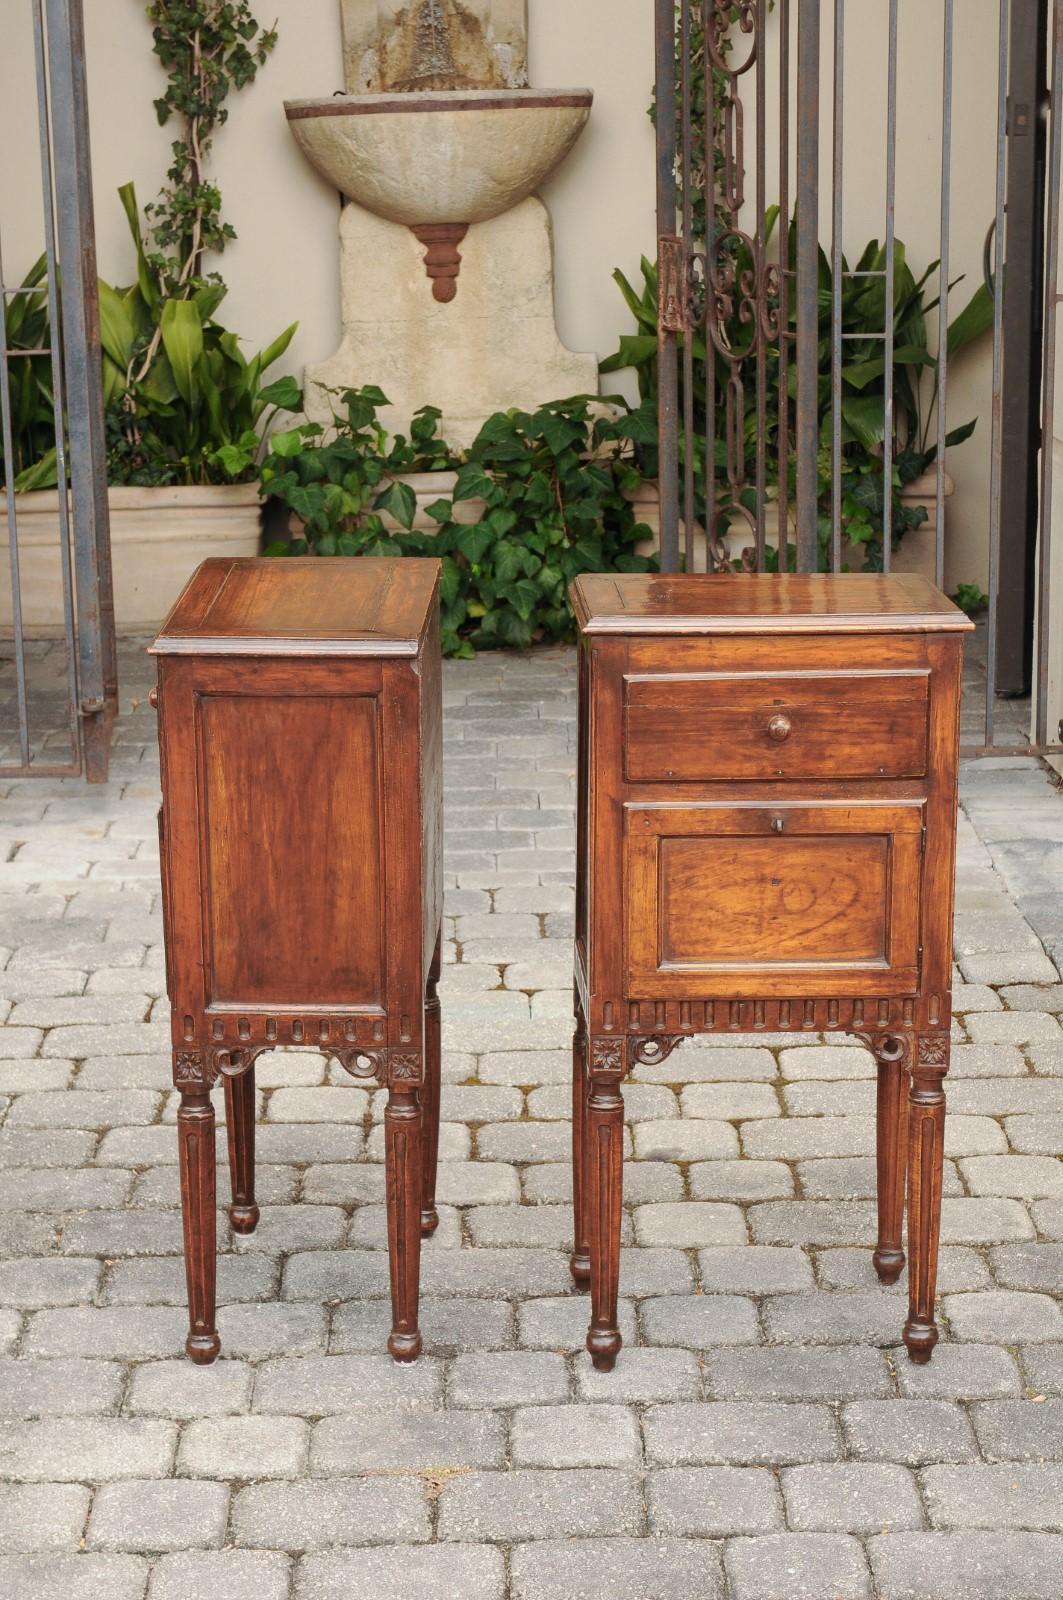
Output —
(744, 602)
(303, 605)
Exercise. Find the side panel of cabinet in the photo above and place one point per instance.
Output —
(276, 828)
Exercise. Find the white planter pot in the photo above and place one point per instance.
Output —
(158, 539)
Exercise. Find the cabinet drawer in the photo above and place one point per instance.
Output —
(788, 899)
(716, 726)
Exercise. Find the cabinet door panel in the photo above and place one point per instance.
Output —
(291, 820)
(785, 899)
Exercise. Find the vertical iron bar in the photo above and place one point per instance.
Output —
(707, 324)
(784, 282)
(759, 264)
(997, 455)
(837, 287)
(808, 49)
(12, 530)
(84, 381)
(58, 406)
(1048, 384)
(888, 295)
(942, 384)
(667, 362)
(686, 109)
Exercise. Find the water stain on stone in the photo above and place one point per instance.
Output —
(436, 45)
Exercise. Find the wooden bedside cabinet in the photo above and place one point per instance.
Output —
(301, 835)
(765, 837)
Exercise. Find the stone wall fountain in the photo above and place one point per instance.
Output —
(446, 254)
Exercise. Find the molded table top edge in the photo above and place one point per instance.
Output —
(750, 603)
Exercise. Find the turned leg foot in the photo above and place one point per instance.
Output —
(195, 1137)
(892, 1055)
(605, 1141)
(430, 1096)
(926, 1143)
(404, 1159)
(240, 1122)
(580, 1259)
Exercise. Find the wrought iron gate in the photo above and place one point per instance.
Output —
(58, 722)
(765, 386)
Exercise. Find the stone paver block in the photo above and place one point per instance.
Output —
(61, 1577)
(622, 1569)
(560, 1322)
(740, 1180)
(243, 1447)
(42, 1516)
(164, 1515)
(872, 1317)
(842, 1373)
(314, 1516)
(755, 1269)
(797, 1566)
(851, 1497)
(641, 1376)
(1020, 1430)
(68, 1449)
(315, 1386)
(960, 1372)
(690, 1223)
(508, 1378)
(700, 1321)
(183, 1391)
(914, 1432)
(236, 1574)
(1004, 1496)
(967, 1566)
(447, 1326)
(711, 1502)
(31, 1388)
(575, 1436)
(382, 1439)
(429, 1572)
(693, 1140)
(1004, 1316)
(529, 1504)
(732, 1433)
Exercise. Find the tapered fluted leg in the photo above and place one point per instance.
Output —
(891, 1054)
(580, 1259)
(195, 1140)
(430, 1098)
(240, 1123)
(926, 1143)
(605, 1140)
(404, 1159)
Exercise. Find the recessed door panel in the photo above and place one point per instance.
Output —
(779, 899)
(276, 773)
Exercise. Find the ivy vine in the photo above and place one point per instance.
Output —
(209, 48)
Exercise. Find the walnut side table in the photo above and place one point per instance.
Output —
(766, 834)
(300, 728)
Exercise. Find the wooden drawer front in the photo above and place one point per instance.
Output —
(723, 726)
(787, 899)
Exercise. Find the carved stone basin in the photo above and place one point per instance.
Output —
(443, 156)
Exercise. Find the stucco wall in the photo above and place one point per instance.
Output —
(284, 266)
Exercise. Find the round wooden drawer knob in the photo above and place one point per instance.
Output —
(779, 728)
(153, 699)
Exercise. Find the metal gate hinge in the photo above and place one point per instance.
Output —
(673, 304)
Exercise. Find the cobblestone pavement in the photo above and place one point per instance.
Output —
(763, 1436)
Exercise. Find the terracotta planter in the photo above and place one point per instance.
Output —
(158, 539)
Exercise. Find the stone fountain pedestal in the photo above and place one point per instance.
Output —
(493, 346)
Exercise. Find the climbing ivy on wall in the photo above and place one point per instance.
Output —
(209, 48)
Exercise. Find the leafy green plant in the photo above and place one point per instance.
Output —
(33, 462)
(971, 598)
(209, 48)
(177, 388)
(538, 498)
